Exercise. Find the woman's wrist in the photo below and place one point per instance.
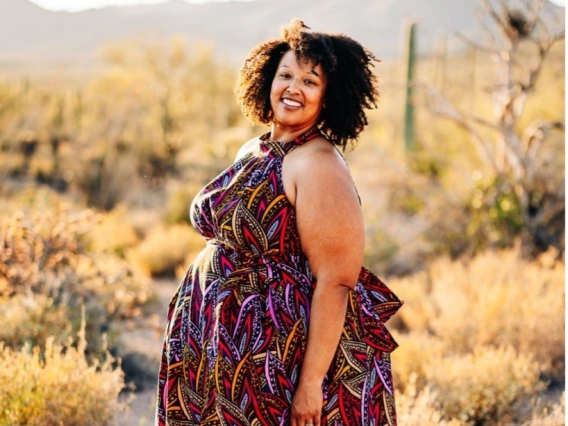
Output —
(309, 380)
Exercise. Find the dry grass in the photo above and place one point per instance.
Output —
(480, 340)
(486, 386)
(47, 275)
(165, 250)
(115, 234)
(496, 298)
(56, 386)
(418, 408)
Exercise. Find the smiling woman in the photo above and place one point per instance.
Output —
(277, 322)
(296, 94)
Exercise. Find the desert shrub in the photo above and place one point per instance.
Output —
(495, 298)
(47, 276)
(177, 210)
(418, 407)
(56, 385)
(104, 177)
(417, 350)
(486, 386)
(166, 249)
(115, 233)
(380, 249)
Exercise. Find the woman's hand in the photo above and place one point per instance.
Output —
(307, 404)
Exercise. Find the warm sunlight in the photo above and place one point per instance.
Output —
(161, 264)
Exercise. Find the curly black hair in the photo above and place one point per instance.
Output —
(351, 88)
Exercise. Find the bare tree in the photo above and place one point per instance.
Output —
(512, 155)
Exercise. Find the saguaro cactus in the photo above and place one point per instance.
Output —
(409, 106)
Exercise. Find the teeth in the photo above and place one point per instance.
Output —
(291, 103)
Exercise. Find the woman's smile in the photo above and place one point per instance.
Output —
(291, 103)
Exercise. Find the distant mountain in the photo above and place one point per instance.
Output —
(30, 32)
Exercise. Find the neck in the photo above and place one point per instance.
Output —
(287, 134)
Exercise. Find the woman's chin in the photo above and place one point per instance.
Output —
(290, 120)
(286, 122)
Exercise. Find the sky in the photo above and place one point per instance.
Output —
(77, 5)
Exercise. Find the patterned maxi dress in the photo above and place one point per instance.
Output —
(237, 325)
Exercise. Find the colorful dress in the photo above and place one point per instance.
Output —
(237, 325)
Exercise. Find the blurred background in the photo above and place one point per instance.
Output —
(113, 114)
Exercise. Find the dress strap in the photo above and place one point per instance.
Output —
(308, 135)
(283, 148)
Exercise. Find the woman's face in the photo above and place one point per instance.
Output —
(297, 92)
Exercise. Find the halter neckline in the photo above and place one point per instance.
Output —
(309, 134)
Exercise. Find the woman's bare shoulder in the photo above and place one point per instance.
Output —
(309, 164)
(319, 152)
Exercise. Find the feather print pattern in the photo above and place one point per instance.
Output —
(238, 322)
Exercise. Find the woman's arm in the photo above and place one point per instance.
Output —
(331, 229)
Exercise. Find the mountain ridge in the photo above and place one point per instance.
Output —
(28, 31)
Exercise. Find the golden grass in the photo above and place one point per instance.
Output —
(115, 233)
(483, 387)
(479, 340)
(166, 249)
(47, 275)
(418, 407)
(496, 298)
(56, 385)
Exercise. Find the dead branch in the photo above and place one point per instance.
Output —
(533, 12)
(534, 136)
(444, 108)
(498, 18)
(490, 37)
(490, 10)
(544, 48)
(486, 49)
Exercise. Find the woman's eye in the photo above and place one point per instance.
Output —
(309, 82)
(284, 75)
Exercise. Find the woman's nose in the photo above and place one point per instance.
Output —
(293, 86)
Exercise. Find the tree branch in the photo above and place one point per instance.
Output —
(501, 24)
(444, 108)
(486, 49)
(534, 136)
(544, 48)
(482, 121)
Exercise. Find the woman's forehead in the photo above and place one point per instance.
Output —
(289, 59)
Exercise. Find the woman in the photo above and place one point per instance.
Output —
(284, 253)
